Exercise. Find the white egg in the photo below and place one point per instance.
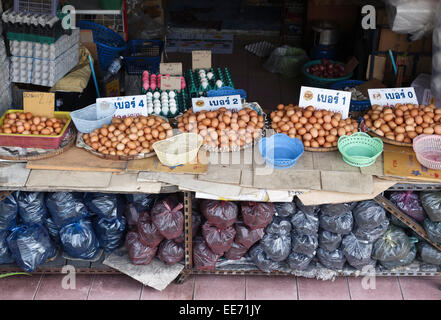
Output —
(164, 99)
(157, 110)
(149, 109)
(204, 85)
(172, 94)
(164, 110)
(149, 95)
(173, 109)
(219, 83)
(210, 75)
(201, 71)
(149, 104)
(163, 94)
(156, 95)
(165, 104)
(157, 104)
(203, 77)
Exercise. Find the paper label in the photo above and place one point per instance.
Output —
(125, 106)
(171, 68)
(170, 83)
(325, 99)
(201, 59)
(214, 103)
(39, 103)
(392, 96)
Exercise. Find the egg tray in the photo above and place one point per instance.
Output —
(364, 128)
(181, 102)
(194, 85)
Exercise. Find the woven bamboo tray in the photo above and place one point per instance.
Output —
(369, 131)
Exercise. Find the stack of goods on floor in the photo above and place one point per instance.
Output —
(156, 229)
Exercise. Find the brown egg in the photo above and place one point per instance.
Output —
(428, 130)
(437, 129)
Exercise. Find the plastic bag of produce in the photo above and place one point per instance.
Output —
(247, 237)
(195, 224)
(328, 240)
(132, 216)
(337, 224)
(409, 203)
(429, 254)
(299, 261)
(433, 230)
(369, 214)
(139, 253)
(261, 260)
(203, 257)
(236, 252)
(286, 60)
(279, 226)
(276, 247)
(52, 229)
(371, 235)
(334, 260)
(170, 252)
(110, 232)
(218, 240)
(167, 216)
(393, 245)
(357, 252)
(105, 205)
(311, 210)
(302, 243)
(66, 207)
(79, 240)
(257, 215)
(402, 262)
(9, 211)
(285, 209)
(5, 253)
(142, 201)
(397, 222)
(149, 235)
(337, 209)
(431, 202)
(305, 223)
(30, 246)
(31, 207)
(222, 214)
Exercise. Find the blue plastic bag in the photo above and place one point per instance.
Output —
(5, 253)
(105, 205)
(52, 229)
(31, 207)
(142, 201)
(31, 246)
(8, 213)
(110, 232)
(79, 240)
(66, 207)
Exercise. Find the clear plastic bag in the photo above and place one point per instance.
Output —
(110, 232)
(79, 240)
(371, 235)
(409, 202)
(429, 254)
(299, 261)
(311, 210)
(168, 217)
(337, 209)
(394, 245)
(328, 240)
(139, 254)
(66, 207)
(247, 237)
(261, 260)
(306, 244)
(334, 260)
(279, 226)
(203, 257)
(149, 234)
(305, 223)
(236, 252)
(170, 252)
(218, 240)
(369, 214)
(357, 252)
(286, 60)
(337, 224)
(105, 205)
(433, 230)
(257, 215)
(285, 209)
(431, 202)
(276, 247)
(5, 253)
(222, 214)
(402, 262)
(31, 207)
(9, 212)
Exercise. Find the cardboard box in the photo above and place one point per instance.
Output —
(154, 9)
(399, 42)
(379, 67)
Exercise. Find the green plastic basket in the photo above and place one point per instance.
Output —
(314, 81)
(360, 149)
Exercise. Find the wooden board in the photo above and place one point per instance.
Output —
(58, 179)
(13, 175)
(76, 159)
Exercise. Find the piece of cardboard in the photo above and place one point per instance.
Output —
(68, 179)
(201, 59)
(370, 84)
(171, 68)
(86, 39)
(222, 174)
(351, 182)
(170, 83)
(399, 42)
(379, 67)
(39, 103)
(351, 65)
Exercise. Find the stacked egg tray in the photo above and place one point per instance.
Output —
(166, 103)
(200, 81)
(5, 81)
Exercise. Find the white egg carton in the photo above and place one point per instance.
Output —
(29, 19)
(44, 51)
(44, 72)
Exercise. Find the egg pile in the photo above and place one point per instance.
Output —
(26, 123)
(223, 128)
(162, 103)
(129, 136)
(403, 122)
(316, 128)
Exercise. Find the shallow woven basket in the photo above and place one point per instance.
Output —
(179, 149)
(359, 149)
(427, 148)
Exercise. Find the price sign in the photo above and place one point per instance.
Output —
(39, 103)
(125, 106)
(213, 103)
(201, 59)
(325, 99)
(172, 68)
(170, 83)
(392, 96)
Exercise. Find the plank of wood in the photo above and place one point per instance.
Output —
(77, 159)
(68, 179)
(350, 182)
(153, 164)
(222, 174)
(14, 175)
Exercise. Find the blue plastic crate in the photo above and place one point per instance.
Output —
(143, 55)
(356, 105)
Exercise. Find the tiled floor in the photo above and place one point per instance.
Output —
(120, 287)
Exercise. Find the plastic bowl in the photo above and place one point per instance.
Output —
(177, 150)
(360, 149)
(280, 151)
(427, 149)
(86, 119)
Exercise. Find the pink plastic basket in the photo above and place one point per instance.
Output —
(427, 148)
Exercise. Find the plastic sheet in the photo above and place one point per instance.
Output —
(276, 247)
(328, 240)
(337, 209)
(392, 246)
(66, 207)
(222, 214)
(299, 261)
(247, 237)
(279, 226)
(285, 209)
(236, 252)
(257, 215)
(338, 224)
(110, 232)
(429, 254)
(311, 210)
(433, 230)
(139, 254)
(402, 262)
(203, 257)
(30, 246)
(218, 240)
(105, 205)
(261, 260)
(369, 214)
(305, 223)
(9, 212)
(142, 201)
(397, 222)
(431, 202)
(149, 234)
(334, 260)
(5, 253)
(31, 207)
(371, 235)
(167, 216)
(357, 252)
(409, 202)
(306, 244)
(170, 252)
(79, 240)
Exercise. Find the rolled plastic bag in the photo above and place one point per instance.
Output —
(110, 232)
(299, 261)
(369, 214)
(431, 202)
(9, 212)
(142, 201)
(30, 246)
(408, 202)
(285, 209)
(257, 215)
(66, 207)
(261, 260)
(139, 253)
(218, 240)
(105, 205)
(276, 247)
(247, 237)
(334, 260)
(279, 226)
(433, 230)
(304, 223)
(149, 234)
(31, 207)
(306, 244)
(337, 209)
(236, 252)
(392, 246)
(402, 262)
(339, 224)
(222, 214)
(357, 252)
(168, 217)
(311, 210)
(5, 253)
(371, 235)
(328, 240)
(429, 254)
(203, 257)
(79, 240)
(170, 252)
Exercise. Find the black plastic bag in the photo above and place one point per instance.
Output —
(257, 215)
(410, 203)
(328, 240)
(31, 246)
(139, 254)
(311, 210)
(105, 205)
(357, 252)
(279, 226)
(305, 223)
(132, 217)
(142, 201)
(31, 207)
(371, 235)
(334, 260)
(302, 243)
(222, 214)
(149, 234)
(433, 230)
(8, 213)
(393, 245)
(218, 240)
(429, 254)
(170, 252)
(52, 229)
(276, 247)
(299, 261)
(195, 224)
(203, 257)
(236, 252)
(369, 214)
(247, 237)
(402, 262)
(285, 209)
(167, 216)
(337, 209)
(431, 202)
(66, 207)
(397, 222)
(79, 240)
(110, 232)
(5, 253)
(337, 224)
(261, 260)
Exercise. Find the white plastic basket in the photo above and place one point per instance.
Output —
(86, 119)
(179, 149)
